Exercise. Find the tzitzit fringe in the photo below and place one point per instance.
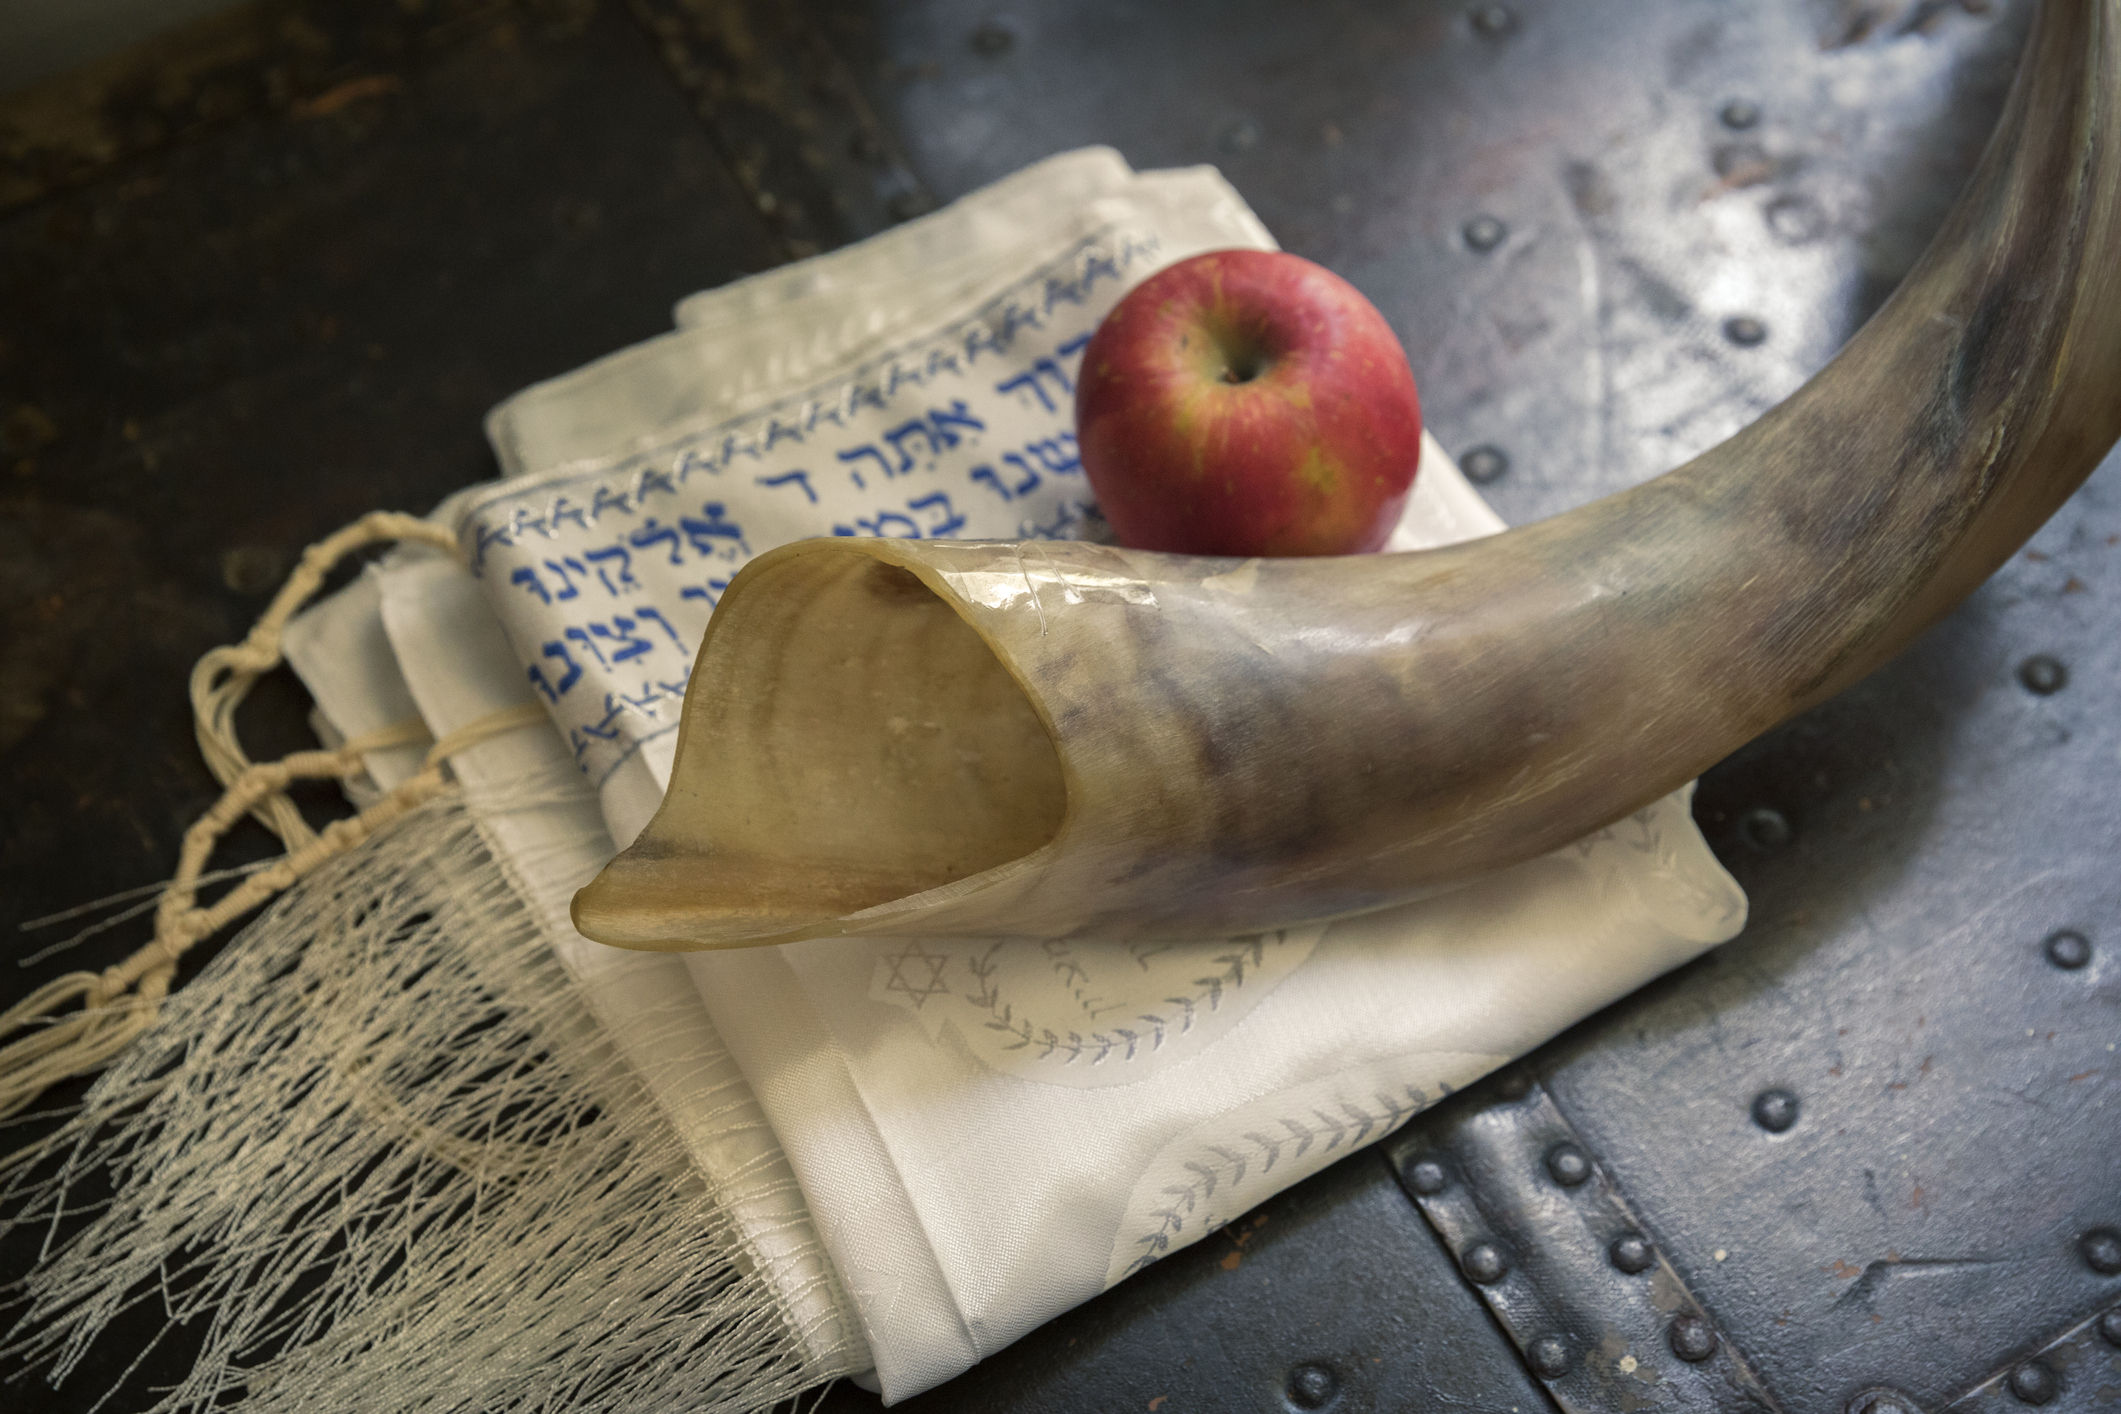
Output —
(121, 1002)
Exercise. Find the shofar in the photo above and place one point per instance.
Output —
(1047, 739)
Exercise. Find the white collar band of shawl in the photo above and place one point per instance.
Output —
(966, 1167)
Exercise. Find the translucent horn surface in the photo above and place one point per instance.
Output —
(1047, 739)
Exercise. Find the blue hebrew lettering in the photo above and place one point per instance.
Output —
(655, 616)
(987, 474)
(560, 568)
(528, 578)
(947, 520)
(1047, 368)
(630, 644)
(799, 478)
(941, 420)
(1026, 380)
(625, 559)
(1073, 346)
(1053, 457)
(568, 678)
(607, 499)
(689, 462)
(1094, 266)
(703, 533)
(651, 533)
(897, 438)
(778, 431)
(582, 637)
(1031, 478)
(855, 454)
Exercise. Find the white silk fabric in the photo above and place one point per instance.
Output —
(984, 1132)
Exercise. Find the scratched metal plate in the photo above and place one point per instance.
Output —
(266, 292)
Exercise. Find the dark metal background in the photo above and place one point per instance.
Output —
(266, 274)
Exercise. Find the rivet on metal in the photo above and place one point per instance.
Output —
(1744, 330)
(1631, 1252)
(1516, 1084)
(1692, 1340)
(1483, 1262)
(2043, 674)
(2034, 1383)
(1775, 1110)
(992, 40)
(1484, 464)
(1765, 829)
(1484, 233)
(2110, 1326)
(1882, 1401)
(1548, 1356)
(2069, 949)
(1568, 1165)
(1312, 1386)
(2101, 1249)
(1428, 1178)
(1740, 114)
(1494, 21)
(1795, 219)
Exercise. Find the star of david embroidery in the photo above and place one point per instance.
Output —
(917, 973)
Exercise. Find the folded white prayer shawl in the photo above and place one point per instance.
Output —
(980, 1134)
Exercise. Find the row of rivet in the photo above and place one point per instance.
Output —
(1488, 463)
(1485, 1262)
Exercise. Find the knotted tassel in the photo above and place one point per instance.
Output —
(121, 1002)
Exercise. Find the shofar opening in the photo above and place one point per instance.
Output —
(857, 743)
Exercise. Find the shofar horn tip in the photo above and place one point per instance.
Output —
(1052, 739)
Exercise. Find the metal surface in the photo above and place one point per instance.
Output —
(249, 292)
(1561, 1259)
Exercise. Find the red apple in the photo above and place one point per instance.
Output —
(1248, 402)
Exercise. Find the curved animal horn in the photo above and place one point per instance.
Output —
(889, 736)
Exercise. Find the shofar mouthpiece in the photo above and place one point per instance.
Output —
(903, 737)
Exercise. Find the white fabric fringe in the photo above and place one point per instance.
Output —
(381, 1156)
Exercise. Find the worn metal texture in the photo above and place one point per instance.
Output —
(788, 118)
(1875, 1140)
(1568, 1268)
